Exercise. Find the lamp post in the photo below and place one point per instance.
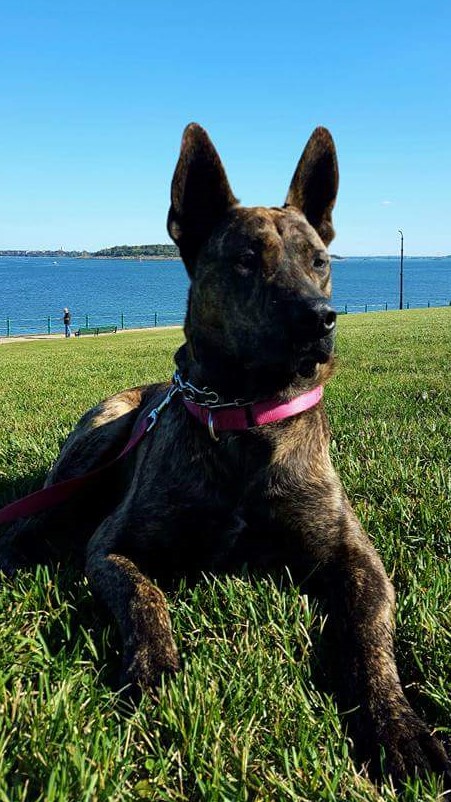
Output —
(401, 270)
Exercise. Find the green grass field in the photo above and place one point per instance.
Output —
(243, 720)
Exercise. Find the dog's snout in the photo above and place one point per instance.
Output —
(312, 318)
(329, 320)
(325, 317)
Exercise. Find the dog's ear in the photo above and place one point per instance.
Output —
(200, 193)
(314, 186)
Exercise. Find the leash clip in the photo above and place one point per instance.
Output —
(155, 413)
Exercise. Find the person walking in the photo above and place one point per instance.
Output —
(67, 320)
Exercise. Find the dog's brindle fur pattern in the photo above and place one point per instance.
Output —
(267, 496)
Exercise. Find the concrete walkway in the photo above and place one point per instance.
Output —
(22, 338)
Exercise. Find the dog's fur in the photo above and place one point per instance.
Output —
(255, 329)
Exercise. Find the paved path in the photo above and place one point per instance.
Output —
(32, 337)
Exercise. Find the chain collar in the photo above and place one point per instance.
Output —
(204, 397)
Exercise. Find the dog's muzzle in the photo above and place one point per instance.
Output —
(314, 319)
(309, 325)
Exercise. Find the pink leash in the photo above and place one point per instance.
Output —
(50, 496)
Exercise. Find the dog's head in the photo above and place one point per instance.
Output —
(260, 276)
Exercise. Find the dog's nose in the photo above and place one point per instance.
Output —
(325, 317)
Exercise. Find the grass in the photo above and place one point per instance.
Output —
(243, 720)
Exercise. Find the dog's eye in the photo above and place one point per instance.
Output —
(243, 270)
(320, 262)
(245, 262)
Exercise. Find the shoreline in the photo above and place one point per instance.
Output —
(94, 258)
(162, 258)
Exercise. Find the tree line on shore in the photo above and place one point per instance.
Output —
(161, 251)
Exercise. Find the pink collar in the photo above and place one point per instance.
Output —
(258, 414)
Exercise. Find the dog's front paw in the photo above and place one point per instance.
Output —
(7, 567)
(10, 560)
(409, 749)
(142, 670)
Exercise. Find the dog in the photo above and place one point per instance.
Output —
(235, 468)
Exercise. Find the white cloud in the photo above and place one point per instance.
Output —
(387, 203)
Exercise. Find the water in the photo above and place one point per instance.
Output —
(374, 282)
(34, 290)
(97, 291)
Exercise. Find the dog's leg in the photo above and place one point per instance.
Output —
(138, 606)
(360, 601)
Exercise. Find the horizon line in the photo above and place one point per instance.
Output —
(63, 252)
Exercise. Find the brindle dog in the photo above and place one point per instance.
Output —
(258, 326)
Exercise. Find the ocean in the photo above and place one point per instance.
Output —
(133, 293)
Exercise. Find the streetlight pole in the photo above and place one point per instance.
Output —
(401, 270)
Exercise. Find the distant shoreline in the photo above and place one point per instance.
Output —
(153, 251)
(168, 258)
(133, 258)
(44, 255)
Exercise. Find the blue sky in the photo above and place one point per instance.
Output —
(94, 98)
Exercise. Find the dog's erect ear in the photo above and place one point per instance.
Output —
(200, 193)
(314, 186)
